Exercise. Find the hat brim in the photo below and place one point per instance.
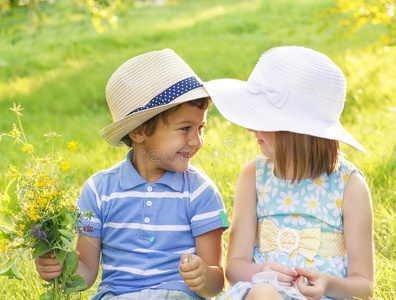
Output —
(248, 110)
(114, 132)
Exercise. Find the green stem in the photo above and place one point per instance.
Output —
(56, 289)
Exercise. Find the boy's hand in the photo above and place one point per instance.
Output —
(48, 266)
(316, 286)
(194, 272)
(285, 275)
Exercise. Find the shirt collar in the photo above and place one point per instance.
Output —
(130, 177)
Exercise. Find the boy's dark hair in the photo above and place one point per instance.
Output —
(150, 125)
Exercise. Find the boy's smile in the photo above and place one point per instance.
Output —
(173, 143)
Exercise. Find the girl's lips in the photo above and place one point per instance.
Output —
(260, 141)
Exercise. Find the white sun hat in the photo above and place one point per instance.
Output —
(292, 89)
(144, 86)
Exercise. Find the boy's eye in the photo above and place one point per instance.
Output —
(185, 128)
(201, 127)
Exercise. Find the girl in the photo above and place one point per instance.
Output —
(301, 207)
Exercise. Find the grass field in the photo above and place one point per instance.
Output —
(58, 72)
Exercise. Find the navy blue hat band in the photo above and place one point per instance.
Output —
(171, 93)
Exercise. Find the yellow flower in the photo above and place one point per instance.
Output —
(65, 166)
(72, 146)
(22, 226)
(42, 202)
(34, 217)
(3, 248)
(20, 233)
(28, 147)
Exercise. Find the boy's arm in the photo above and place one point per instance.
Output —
(88, 249)
(204, 273)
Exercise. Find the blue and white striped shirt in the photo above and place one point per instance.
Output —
(146, 227)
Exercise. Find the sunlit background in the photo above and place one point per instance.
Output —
(56, 57)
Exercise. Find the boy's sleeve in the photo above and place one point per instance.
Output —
(89, 201)
(207, 207)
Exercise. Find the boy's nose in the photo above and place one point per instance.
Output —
(196, 140)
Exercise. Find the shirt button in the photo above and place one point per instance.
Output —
(146, 220)
(149, 188)
(149, 203)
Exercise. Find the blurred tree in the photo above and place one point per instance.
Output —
(357, 13)
(103, 12)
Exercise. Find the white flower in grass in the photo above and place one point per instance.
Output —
(312, 205)
(288, 202)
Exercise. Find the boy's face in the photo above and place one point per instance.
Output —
(173, 144)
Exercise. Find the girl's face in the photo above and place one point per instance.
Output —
(266, 140)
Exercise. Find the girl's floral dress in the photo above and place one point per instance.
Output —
(299, 225)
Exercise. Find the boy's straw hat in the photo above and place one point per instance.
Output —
(143, 87)
(291, 89)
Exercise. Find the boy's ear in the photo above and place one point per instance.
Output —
(137, 135)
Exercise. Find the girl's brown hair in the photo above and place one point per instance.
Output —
(305, 155)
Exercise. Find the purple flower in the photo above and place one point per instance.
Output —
(85, 228)
(37, 233)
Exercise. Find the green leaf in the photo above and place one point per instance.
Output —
(77, 284)
(67, 243)
(11, 272)
(67, 233)
(60, 256)
(41, 248)
(6, 229)
(69, 219)
(10, 199)
(70, 266)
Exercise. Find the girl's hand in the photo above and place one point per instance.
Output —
(285, 275)
(48, 266)
(317, 283)
(194, 272)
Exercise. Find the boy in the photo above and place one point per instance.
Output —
(158, 221)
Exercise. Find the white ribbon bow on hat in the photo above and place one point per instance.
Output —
(275, 93)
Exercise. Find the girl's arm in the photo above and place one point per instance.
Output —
(203, 273)
(358, 232)
(88, 249)
(243, 228)
(239, 266)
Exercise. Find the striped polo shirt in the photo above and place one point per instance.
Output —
(146, 227)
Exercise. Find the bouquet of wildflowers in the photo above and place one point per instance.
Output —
(37, 213)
